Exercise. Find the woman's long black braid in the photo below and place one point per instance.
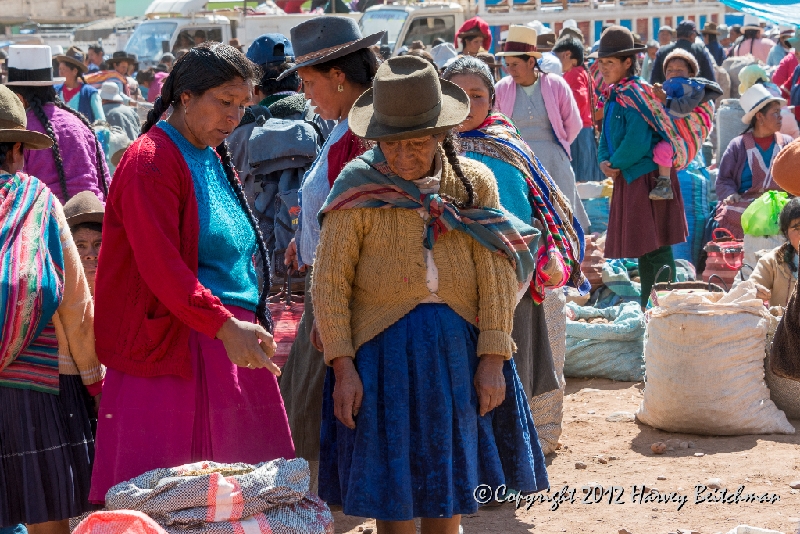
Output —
(37, 97)
(450, 151)
(202, 68)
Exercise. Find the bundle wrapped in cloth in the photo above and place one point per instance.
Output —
(214, 498)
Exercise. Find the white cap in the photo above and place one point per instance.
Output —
(110, 91)
(37, 60)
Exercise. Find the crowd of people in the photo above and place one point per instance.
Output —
(431, 202)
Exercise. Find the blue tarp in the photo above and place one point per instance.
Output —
(776, 11)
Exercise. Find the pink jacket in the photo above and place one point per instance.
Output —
(561, 107)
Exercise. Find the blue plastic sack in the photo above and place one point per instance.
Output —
(613, 350)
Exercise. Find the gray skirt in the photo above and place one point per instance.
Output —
(534, 357)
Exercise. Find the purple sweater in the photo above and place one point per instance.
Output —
(731, 166)
(77, 148)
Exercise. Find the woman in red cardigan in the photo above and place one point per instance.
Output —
(189, 373)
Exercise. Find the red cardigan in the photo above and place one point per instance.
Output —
(147, 296)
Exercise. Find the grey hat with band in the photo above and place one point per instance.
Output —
(407, 100)
(14, 123)
(325, 38)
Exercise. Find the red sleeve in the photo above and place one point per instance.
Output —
(342, 152)
(785, 70)
(150, 201)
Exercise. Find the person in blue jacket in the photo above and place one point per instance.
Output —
(75, 92)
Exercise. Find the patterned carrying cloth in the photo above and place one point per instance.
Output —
(686, 135)
(213, 498)
(562, 235)
(118, 522)
(31, 263)
(381, 188)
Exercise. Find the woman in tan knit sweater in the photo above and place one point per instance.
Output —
(415, 284)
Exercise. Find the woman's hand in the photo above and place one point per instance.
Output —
(290, 257)
(316, 340)
(554, 269)
(348, 391)
(608, 170)
(762, 293)
(248, 345)
(490, 383)
(732, 199)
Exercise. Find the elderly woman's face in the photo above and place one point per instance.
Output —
(411, 159)
(676, 68)
(212, 116)
(480, 101)
(770, 119)
(88, 242)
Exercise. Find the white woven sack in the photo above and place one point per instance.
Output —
(704, 358)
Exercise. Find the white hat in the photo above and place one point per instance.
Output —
(521, 41)
(570, 23)
(57, 50)
(443, 53)
(110, 91)
(751, 22)
(550, 63)
(755, 99)
(31, 65)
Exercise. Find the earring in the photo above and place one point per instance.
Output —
(340, 88)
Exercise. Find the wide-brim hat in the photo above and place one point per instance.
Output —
(618, 41)
(119, 57)
(751, 22)
(74, 56)
(325, 38)
(407, 100)
(545, 42)
(30, 66)
(572, 32)
(794, 42)
(84, 207)
(710, 29)
(14, 123)
(755, 99)
(521, 41)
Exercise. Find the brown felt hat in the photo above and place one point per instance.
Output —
(407, 100)
(711, 29)
(14, 123)
(786, 168)
(680, 53)
(82, 208)
(545, 42)
(74, 56)
(618, 41)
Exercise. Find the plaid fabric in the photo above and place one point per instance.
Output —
(213, 498)
(118, 522)
(376, 186)
(562, 235)
(686, 135)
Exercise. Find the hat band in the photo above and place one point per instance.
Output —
(515, 46)
(30, 75)
(324, 52)
(11, 125)
(754, 106)
(405, 121)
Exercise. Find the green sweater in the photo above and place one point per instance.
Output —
(632, 141)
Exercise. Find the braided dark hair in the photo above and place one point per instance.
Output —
(37, 97)
(449, 145)
(202, 68)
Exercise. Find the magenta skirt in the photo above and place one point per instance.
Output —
(224, 413)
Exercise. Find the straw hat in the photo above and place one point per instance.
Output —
(325, 38)
(74, 57)
(30, 65)
(572, 32)
(521, 41)
(82, 208)
(407, 100)
(14, 123)
(710, 29)
(751, 22)
(755, 99)
(618, 41)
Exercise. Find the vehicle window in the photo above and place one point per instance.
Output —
(390, 20)
(426, 29)
(147, 38)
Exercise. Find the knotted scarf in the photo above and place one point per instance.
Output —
(562, 235)
(376, 186)
(686, 135)
(31, 263)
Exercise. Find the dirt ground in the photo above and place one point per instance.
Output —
(764, 464)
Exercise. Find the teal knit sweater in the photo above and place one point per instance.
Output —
(227, 244)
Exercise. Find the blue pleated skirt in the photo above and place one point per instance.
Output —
(420, 447)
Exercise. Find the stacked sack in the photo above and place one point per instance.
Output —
(214, 498)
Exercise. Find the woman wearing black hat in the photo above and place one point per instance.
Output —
(637, 227)
(75, 92)
(336, 65)
(415, 287)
